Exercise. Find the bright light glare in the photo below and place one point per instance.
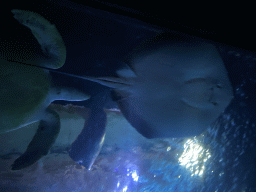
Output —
(125, 189)
(194, 157)
(135, 176)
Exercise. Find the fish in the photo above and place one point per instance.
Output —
(171, 85)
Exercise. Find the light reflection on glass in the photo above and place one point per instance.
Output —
(135, 176)
(194, 157)
(125, 189)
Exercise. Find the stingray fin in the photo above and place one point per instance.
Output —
(133, 117)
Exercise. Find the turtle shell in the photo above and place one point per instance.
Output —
(23, 88)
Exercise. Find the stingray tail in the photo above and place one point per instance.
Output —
(112, 82)
(122, 82)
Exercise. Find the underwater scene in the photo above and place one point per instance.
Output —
(95, 101)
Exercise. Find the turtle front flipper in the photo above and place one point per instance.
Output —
(47, 35)
(42, 141)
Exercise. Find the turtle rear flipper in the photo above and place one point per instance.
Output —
(42, 141)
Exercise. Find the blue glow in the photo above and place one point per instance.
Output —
(125, 189)
(194, 157)
(135, 176)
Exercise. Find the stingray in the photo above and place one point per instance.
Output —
(26, 90)
(171, 85)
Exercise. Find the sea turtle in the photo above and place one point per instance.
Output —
(26, 90)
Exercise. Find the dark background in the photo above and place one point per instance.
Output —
(227, 22)
(232, 23)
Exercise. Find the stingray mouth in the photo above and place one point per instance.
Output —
(200, 105)
(201, 93)
(205, 100)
